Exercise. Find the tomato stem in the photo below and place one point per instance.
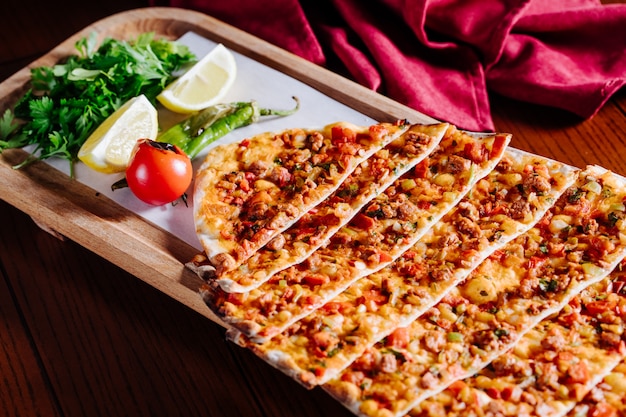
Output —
(119, 184)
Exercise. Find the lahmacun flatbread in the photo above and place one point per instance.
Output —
(429, 192)
(607, 306)
(514, 196)
(248, 192)
(382, 231)
(576, 244)
(314, 228)
(392, 321)
(556, 366)
(500, 206)
(607, 398)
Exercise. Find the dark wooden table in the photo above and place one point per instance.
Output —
(81, 337)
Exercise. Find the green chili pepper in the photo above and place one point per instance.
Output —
(205, 127)
(455, 337)
(200, 130)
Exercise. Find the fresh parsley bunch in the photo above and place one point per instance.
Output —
(67, 102)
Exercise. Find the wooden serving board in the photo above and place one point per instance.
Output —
(70, 209)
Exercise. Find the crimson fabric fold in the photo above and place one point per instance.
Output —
(444, 57)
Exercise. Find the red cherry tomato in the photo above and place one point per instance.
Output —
(158, 173)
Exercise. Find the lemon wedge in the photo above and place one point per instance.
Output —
(203, 85)
(109, 147)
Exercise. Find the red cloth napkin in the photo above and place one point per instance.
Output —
(442, 56)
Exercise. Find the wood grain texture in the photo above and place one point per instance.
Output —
(560, 135)
(92, 340)
(26, 390)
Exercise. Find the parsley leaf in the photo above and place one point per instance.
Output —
(68, 101)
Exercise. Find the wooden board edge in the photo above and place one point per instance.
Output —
(79, 213)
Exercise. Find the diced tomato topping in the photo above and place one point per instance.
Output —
(378, 130)
(344, 161)
(412, 269)
(507, 392)
(600, 247)
(497, 209)
(400, 338)
(499, 143)
(378, 257)
(557, 250)
(498, 254)
(597, 307)
(454, 300)
(595, 214)
(384, 257)
(349, 148)
(315, 279)
(328, 220)
(245, 143)
(363, 222)
(578, 372)
(618, 286)
(493, 392)
(235, 298)
(421, 169)
(575, 304)
(336, 307)
(424, 205)
(602, 410)
(569, 319)
(456, 387)
(475, 152)
(565, 356)
(244, 184)
(544, 222)
(341, 134)
(310, 300)
(374, 295)
(336, 133)
(535, 262)
(304, 231)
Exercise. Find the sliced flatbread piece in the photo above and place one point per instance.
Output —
(297, 350)
(248, 192)
(313, 229)
(607, 399)
(576, 244)
(555, 368)
(499, 207)
(385, 228)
